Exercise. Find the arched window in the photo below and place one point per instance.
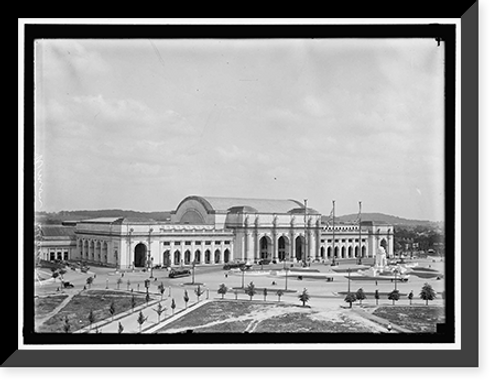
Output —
(217, 256)
(197, 257)
(187, 257)
(177, 257)
(207, 256)
(226, 255)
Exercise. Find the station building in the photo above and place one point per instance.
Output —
(214, 230)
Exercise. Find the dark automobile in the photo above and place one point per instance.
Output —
(175, 273)
(242, 266)
(264, 262)
(68, 285)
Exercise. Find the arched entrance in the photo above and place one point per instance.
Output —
(187, 257)
(217, 256)
(226, 256)
(283, 248)
(264, 247)
(167, 262)
(349, 251)
(322, 252)
(140, 252)
(299, 248)
(336, 252)
(383, 243)
(342, 252)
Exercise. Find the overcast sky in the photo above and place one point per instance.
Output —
(141, 124)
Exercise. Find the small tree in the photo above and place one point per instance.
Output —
(186, 298)
(89, 281)
(112, 310)
(159, 310)
(161, 289)
(133, 302)
(377, 296)
(264, 292)
(394, 296)
(235, 291)
(410, 296)
(222, 290)
(67, 326)
(128, 284)
(148, 297)
(427, 293)
(119, 281)
(304, 297)
(173, 306)
(198, 292)
(141, 320)
(360, 295)
(120, 327)
(250, 290)
(350, 298)
(91, 318)
(279, 293)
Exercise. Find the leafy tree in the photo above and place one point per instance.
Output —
(427, 293)
(279, 293)
(394, 296)
(377, 296)
(159, 310)
(89, 281)
(161, 289)
(119, 281)
(250, 290)
(410, 296)
(112, 310)
(264, 292)
(173, 306)
(141, 320)
(67, 326)
(360, 295)
(304, 297)
(198, 292)
(222, 290)
(91, 318)
(186, 298)
(120, 327)
(128, 284)
(350, 298)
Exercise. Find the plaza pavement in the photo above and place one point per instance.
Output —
(323, 295)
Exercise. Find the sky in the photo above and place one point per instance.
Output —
(141, 124)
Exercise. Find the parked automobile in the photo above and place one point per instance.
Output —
(264, 262)
(175, 273)
(67, 284)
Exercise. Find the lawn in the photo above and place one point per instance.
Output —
(45, 305)
(253, 316)
(78, 309)
(414, 318)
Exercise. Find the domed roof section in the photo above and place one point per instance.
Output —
(233, 204)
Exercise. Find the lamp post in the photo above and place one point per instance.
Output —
(286, 274)
(243, 269)
(152, 267)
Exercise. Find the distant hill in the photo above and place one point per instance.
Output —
(59, 217)
(381, 218)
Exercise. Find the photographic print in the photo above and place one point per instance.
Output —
(262, 185)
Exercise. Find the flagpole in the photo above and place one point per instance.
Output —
(333, 232)
(359, 239)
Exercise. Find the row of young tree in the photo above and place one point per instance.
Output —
(427, 294)
(159, 309)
